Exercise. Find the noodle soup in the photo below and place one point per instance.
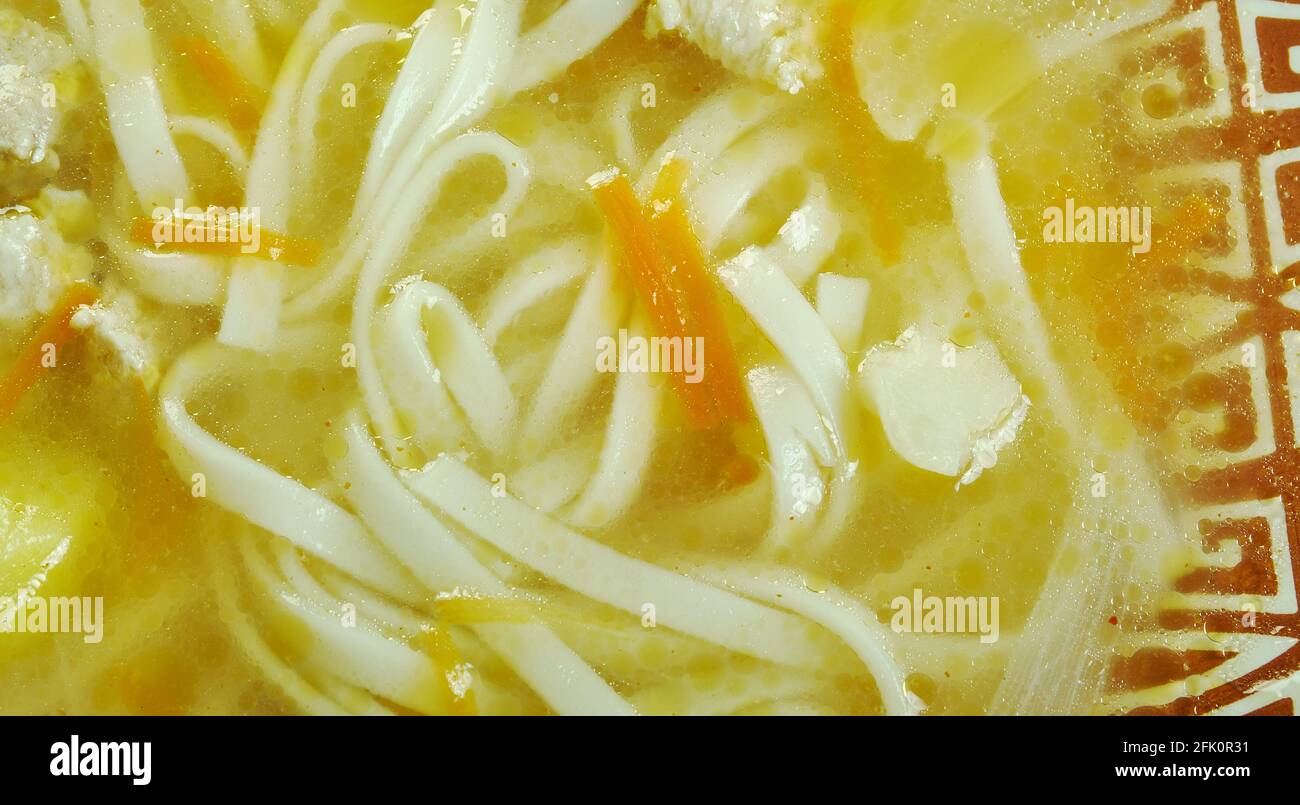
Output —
(599, 356)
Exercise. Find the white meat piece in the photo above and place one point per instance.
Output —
(767, 40)
(36, 265)
(36, 72)
(115, 322)
(71, 211)
(944, 408)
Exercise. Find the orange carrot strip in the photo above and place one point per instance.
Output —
(645, 264)
(885, 231)
(670, 182)
(668, 272)
(640, 252)
(704, 411)
(724, 389)
(54, 333)
(242, 100)
(225, 241)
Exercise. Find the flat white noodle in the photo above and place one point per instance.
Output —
(734, 517)
(572, 375)
(1062, 618)
(408, 373)
(263, 496)
(424, 72)
(141, 131)
(255, 291)
(433, 99)
(442, 563)
(288, 680)
(357, 655)
(837, 612)
(465, 98)
(808, 236)
(371, 611)
(708, 130)
(217, 135)
(136, 115)
(78, 25)
(797, 447)
(459, 359)
(559, 476)
(629, 444)
(734, 178)
(342, 45)
(175, 278)
(392, 243)
(790, 322)
(605, 575)
(620, 124)
(416, 120)
(538, 276)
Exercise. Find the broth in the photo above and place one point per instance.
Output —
(208, 608)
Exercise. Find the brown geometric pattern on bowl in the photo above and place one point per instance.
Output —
(1235, 132)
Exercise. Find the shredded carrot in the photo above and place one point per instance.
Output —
(645, 265)
(224, 240)
(670, 182)
(885, 231)
(243, 101)
(725, 391)
(446, 658)
(668, 271)
(49, 339)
